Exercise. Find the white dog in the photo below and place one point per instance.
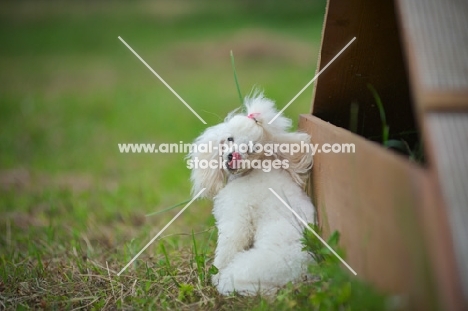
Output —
(259, 247)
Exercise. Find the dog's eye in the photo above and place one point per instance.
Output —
(230, 139)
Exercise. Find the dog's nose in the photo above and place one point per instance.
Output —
(230, 157)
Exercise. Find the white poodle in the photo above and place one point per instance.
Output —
(259, 239)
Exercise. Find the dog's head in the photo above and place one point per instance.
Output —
(244, 142)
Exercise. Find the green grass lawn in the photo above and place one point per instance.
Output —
(72, 208)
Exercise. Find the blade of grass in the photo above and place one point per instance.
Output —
(199, 261)
(235, 78)
(207, 245)
(166, 257)
(383, 118)
(353, 117)
(167, 209)
(168, 265)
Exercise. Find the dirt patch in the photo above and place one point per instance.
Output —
(249, 45)
(168, 8)
(15, 179)
(20, 179)
(31, 10)
(55, 75)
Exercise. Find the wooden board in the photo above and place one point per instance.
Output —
(403, 225)
(376, 57)
(449, 158)
(435, 34)
(386, 210)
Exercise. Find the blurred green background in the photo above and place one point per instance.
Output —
(70, 91)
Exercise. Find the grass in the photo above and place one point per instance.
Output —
(72, 209)
(241, 98)
(383, 118)
(414, 153)
(331, 288)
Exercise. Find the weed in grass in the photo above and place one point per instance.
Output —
(239, 93)
(383, 118)
(415, 154)
(186, 293)
(199, 259)
(329, 287)
(353, 117)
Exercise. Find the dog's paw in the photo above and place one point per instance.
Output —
(215, 279)
(228, 284)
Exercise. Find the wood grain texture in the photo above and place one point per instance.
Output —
(386, 211)
(375, 57)
(448, 150)
(404, 226)
(435, 34)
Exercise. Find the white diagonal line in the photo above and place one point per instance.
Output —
(162, 80)
(312, 81)
(315, 233)
(159, 233)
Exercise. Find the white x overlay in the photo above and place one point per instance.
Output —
(160, 232)
(315, 233)
(199, 193)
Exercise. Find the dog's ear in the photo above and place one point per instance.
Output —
(206, 165)
(299, 161)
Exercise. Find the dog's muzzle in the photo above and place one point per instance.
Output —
(233, 160)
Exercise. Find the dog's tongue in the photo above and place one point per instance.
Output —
(236, 157)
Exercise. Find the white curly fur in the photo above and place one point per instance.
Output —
(259, 248)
